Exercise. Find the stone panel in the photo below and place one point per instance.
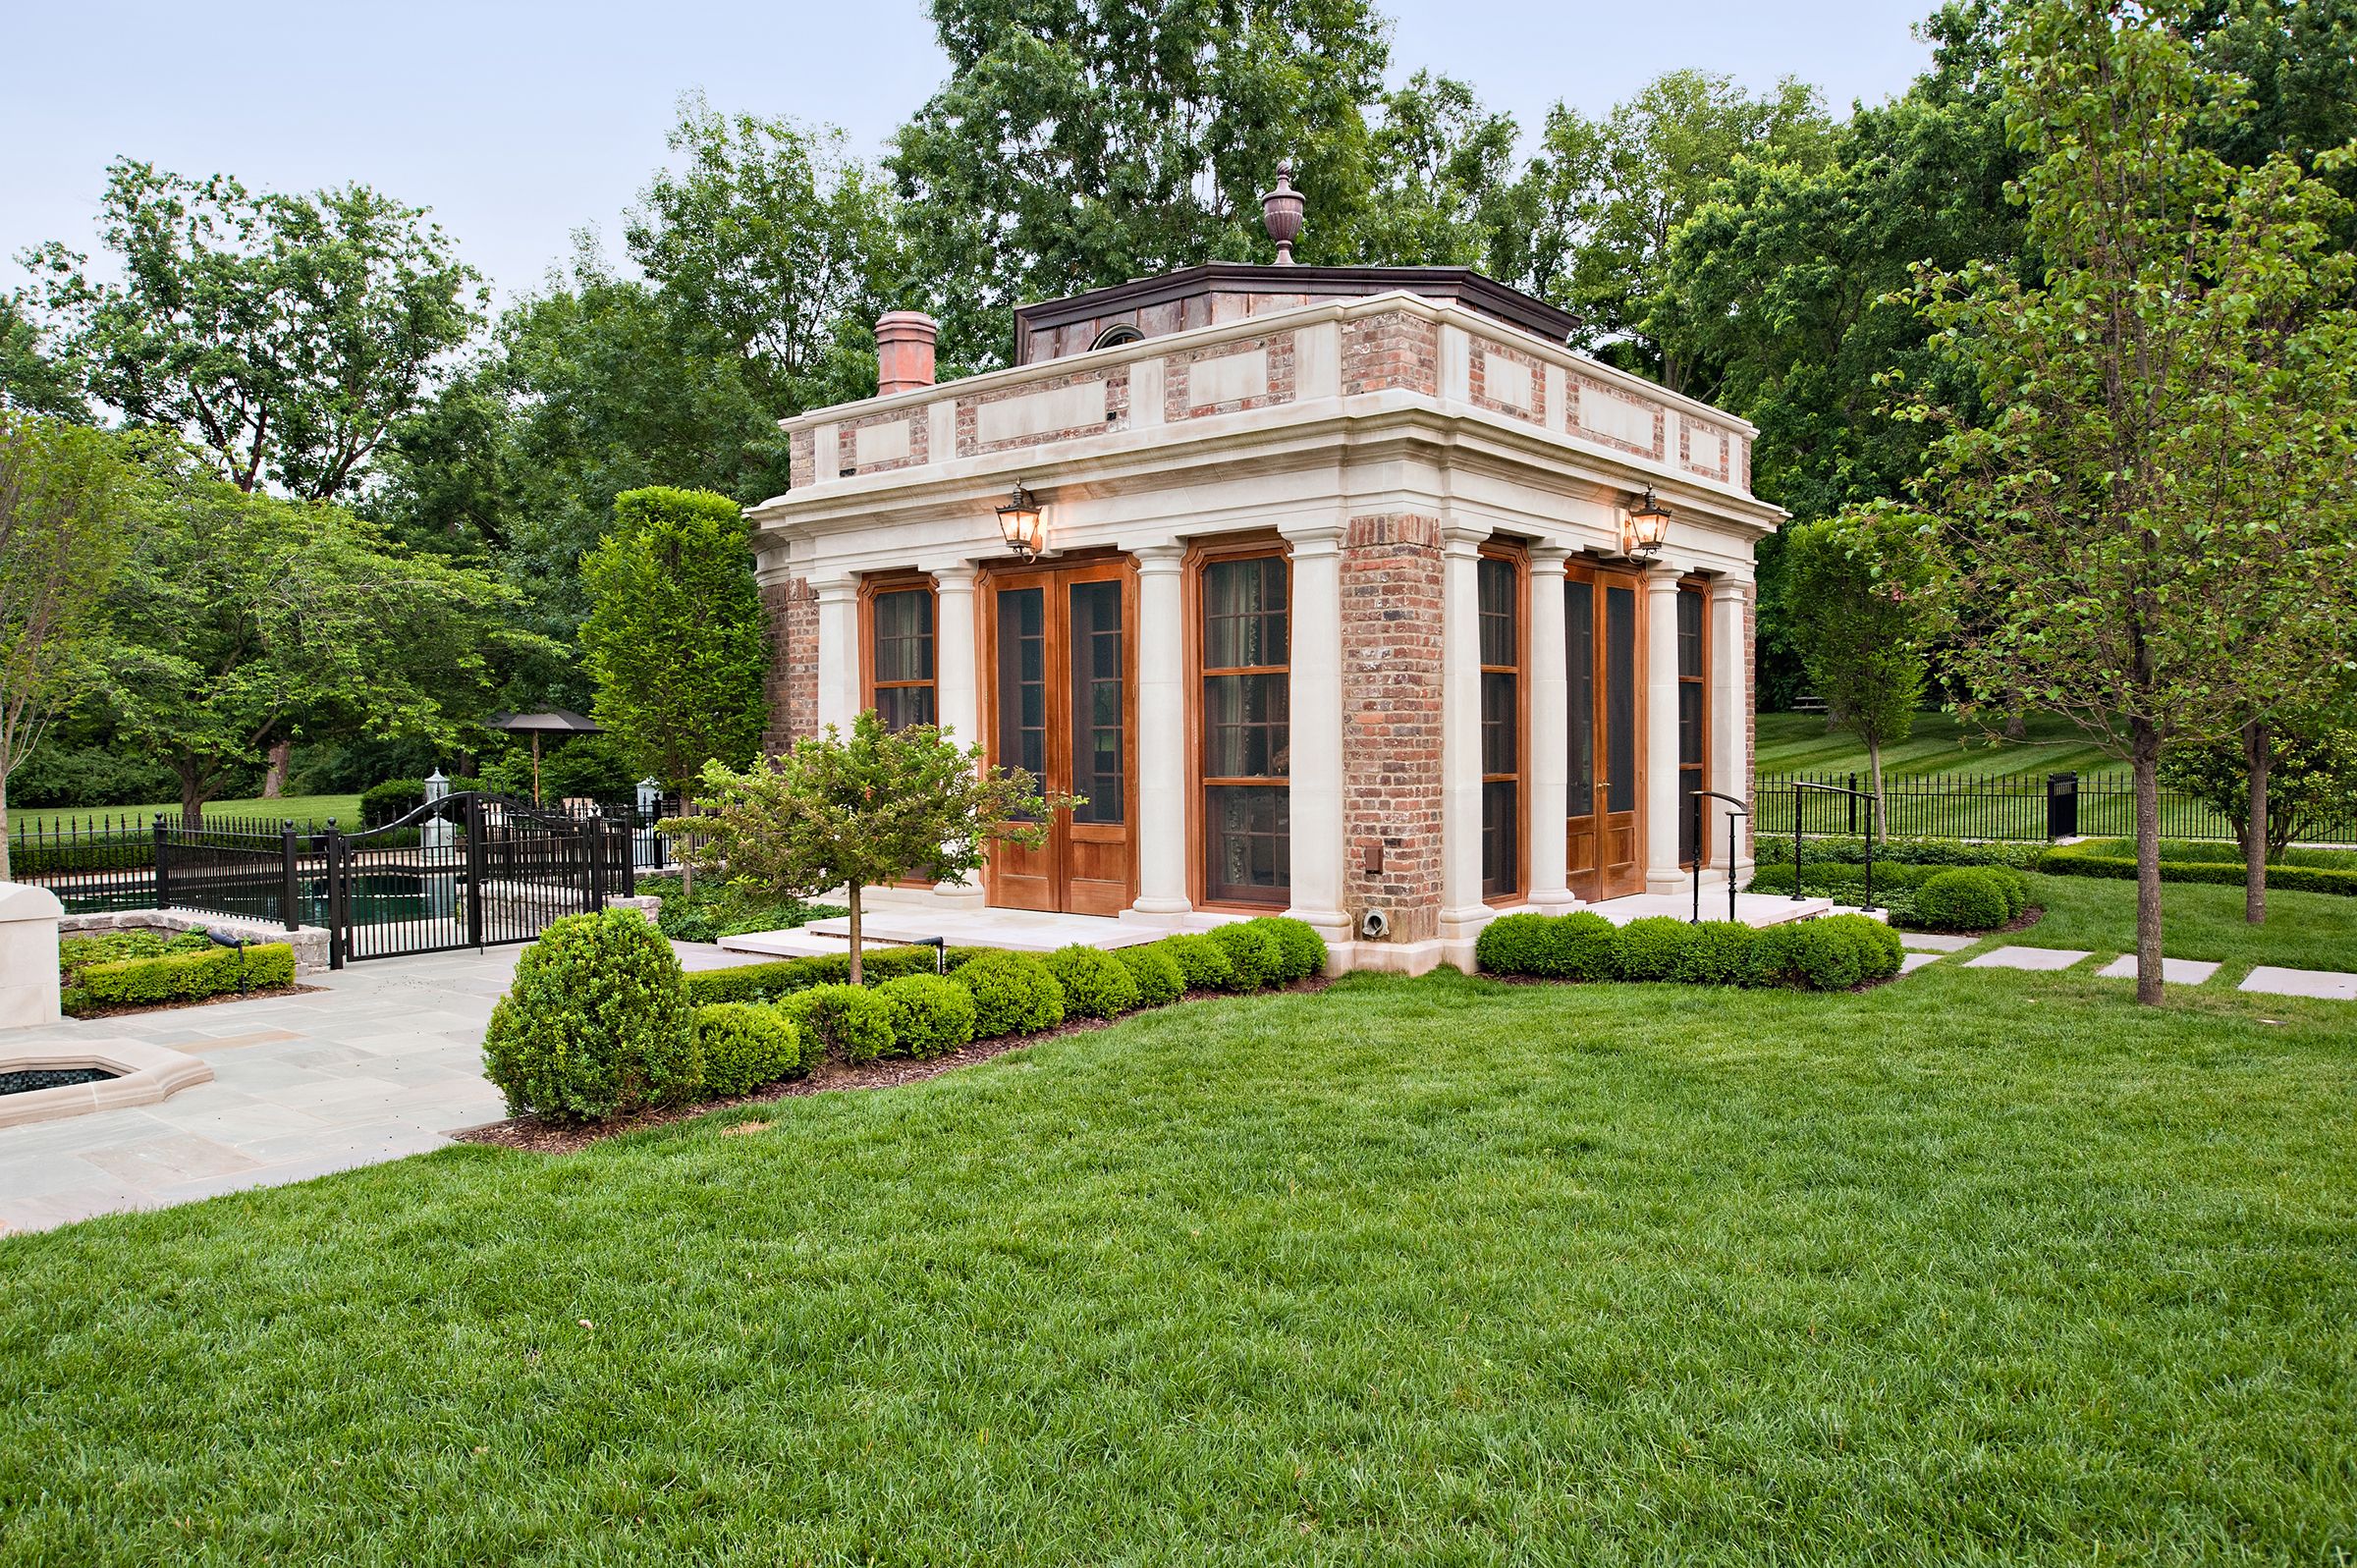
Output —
(1229, 372)
(1614, 417)
(1390, 583)
(1057, 409)
(1508, 381)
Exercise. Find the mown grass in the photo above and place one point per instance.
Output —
(307, 811)
(1976, 1267)
(1941, 743)
(2199, 920)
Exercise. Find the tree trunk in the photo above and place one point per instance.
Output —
(2017, 725)
(274, 778)
(191, 794)
(2145, 755)
(2255, 836)
(858, 974)
(1882, 811)
(3, 827)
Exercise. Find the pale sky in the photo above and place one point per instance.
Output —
(517, 124)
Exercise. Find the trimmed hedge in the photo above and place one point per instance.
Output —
(772, 982)
(185, 975)
(115, 947)
(1155, 973)
(1832, 953)
(849, 1023)
(1255, 954)
(597, 1023)
(1776, 849)
(1096, 984)
(1964, 898)
(2077, 860)
(746, 1047)
(930, 1016)
(1013, 994)
(1303, 949)
(1203, 961)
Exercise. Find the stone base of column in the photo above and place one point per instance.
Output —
(1671, 881)
(959, 894)
(1151, 908)
(1553, 901)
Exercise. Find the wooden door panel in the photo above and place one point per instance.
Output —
(1604, 836)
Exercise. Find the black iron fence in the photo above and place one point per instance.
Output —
(468, 871)
(2018, 806)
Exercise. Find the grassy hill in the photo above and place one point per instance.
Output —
(1798, 742)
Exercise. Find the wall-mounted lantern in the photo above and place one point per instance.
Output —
(1020, 522)
(1644, 527)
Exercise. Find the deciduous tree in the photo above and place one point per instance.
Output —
(1858, 584)
(675, 637)
(851, 811)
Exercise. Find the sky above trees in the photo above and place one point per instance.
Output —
(518, 125)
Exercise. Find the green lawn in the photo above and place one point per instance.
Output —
(2304, 930)
(1800, 742)
(1976, 1267)
(306, 810)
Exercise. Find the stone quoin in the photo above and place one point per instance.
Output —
(1337, 611)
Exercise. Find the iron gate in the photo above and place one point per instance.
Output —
(467, 871)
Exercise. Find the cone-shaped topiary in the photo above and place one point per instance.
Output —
(597, 1023)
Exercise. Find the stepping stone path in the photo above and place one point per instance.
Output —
(2027, 959)
(1916, 961)
(1933, 941)
(2174, 971)
(2329, 983)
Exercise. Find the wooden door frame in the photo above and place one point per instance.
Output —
(1700, 586)
(1601, 574)
(873, 585)
(1055, 578)
(1201, 553)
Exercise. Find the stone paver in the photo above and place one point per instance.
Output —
(1913, 961)
(2330, 984)
(2174, 971)
(2027, 959)
(1933, 942)
(384, 1060)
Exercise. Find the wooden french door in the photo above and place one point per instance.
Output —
(1060, 694)
(1605, 805)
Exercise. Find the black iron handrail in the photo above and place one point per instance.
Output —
(1742, 808)
(1873, 821)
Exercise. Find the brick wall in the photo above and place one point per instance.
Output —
(793, 611)
(1179, 400)
(1392, 349)
(1392, 721)
(802, 461)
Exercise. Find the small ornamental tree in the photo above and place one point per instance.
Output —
(674, 637)
(2289, 779)
(854, 811)
(1857, 587)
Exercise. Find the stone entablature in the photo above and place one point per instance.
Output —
(1306, 358)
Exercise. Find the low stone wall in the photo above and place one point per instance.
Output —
(308, 941)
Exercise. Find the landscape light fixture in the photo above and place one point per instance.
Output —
(1020, 522)
(1644, 527)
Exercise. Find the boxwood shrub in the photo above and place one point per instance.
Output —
(186, 974)
(1965, 899)
(1096, 984)
(1303, 949)
(930, 1016)
(1717, 952)
(1514, 945)
(597, 1023)
(1653, 948)
(1203, 961)
(1255, 955)
(1833, 953)
(2112, 858)
(769, 982)
(745, 1046)
(1154, 972)
(1013, 994)
(1775, 849)
(850, 1024)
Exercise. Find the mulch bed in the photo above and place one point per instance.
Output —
(539, 1135)
(195, 1001)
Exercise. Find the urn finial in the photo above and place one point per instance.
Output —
(1281, 210)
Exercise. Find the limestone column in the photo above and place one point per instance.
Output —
(838, 651)
(1730, 717)
(958, 699)
(1550, 730)
(1462, 914)
(1161, 733)
(1315, 767)
(1662, 873)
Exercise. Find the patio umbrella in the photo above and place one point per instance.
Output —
(557, 721)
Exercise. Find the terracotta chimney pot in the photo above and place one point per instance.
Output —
(905, 341)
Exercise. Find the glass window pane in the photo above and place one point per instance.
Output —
(1496, 582)
(1247, 843)
(1500, 724)
(904, 635)
(1022, 698)
(1689, 780)
(1245, 730)
(1244, 613)
(1579, 632)
(1097, 725)
(1500, 840)
(1621, 700)
(1689, 722)
(1689, 632)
